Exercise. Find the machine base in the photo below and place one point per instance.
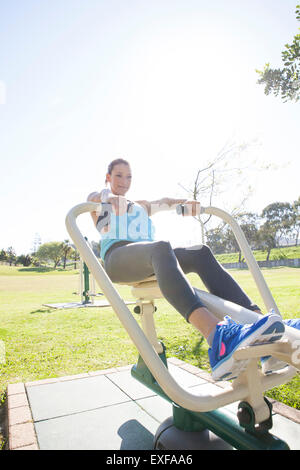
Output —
(168, 437)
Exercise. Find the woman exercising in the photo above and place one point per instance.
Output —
(131, 254)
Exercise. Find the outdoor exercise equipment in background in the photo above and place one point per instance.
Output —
(86, 290)
(198, 421)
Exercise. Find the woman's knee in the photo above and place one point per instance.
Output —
(204, 257)
(163, 245)
(162, 248)
(205, 251)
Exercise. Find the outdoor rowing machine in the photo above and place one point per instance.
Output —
(200, 413)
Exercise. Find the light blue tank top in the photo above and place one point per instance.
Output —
(134, 226)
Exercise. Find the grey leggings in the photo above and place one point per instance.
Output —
(135, 261)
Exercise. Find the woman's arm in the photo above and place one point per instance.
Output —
(94, 197)
(119, 203)
(167, 203)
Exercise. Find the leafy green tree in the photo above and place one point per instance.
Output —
(284, 81)
(75, 256)
(248, 223)
(216, 240)
(25, 260)
(10, 255)
(52, 251)
(278, 218)
(3, 255)
(296, 219)
(66, 251)
(267, 238)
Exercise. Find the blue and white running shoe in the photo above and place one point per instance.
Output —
(230, 336)
(270, 364)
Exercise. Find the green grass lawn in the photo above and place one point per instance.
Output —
(289, 252)
(41, 342)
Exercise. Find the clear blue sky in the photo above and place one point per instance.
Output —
(163, 83)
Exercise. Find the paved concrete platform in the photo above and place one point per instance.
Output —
(109, 410)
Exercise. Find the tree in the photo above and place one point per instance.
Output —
(296, 219)
(51, 251)
(25, 260)
(267, 239)
(285, 81)
(248, 223)
(216, 179)
(279, 216)
(66, 251)
(216, 241)
(10, 255)
(3, 255)
(75, 256)
(36, 243)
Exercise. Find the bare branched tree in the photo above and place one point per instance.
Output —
(226, 171)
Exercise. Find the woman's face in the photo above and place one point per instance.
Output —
(120, 179)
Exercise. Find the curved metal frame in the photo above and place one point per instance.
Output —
(251, 261)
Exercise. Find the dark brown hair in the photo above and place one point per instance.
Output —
(117, 161)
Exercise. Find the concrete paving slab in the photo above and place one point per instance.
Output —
(119, 427)
(161, 409)
(73, 396)
(130, 386)
(287, 430)
(205, 388)
(137, 390)
(156, 407)
(184, 378)
(110, 410)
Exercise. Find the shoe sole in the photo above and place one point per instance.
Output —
(269, 368)
(269, 332)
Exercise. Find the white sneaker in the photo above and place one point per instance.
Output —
(270, 364)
